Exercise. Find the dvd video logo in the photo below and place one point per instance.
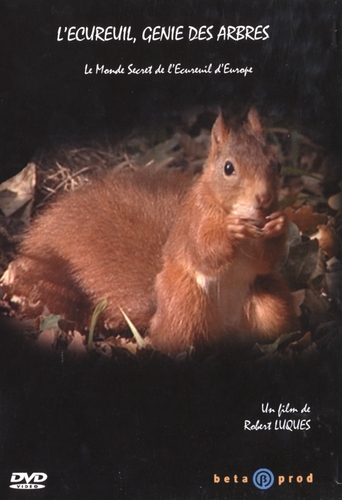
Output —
(22, 481)
(263, 479)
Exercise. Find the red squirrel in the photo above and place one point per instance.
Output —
(192, 262)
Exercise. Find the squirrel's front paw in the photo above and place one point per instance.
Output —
(241, 229)
(276, 225)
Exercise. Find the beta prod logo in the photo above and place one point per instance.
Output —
(24, 481)
(264, 479)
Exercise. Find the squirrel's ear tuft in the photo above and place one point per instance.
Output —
(253, 121)
(220, 131)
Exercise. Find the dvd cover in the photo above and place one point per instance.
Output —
(144, 409)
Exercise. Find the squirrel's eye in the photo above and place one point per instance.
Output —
(229, 168)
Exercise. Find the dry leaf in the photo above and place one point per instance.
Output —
(131, 347)
(114, 341)
(301, 263)
(335, 201)
(298, 299)
(272, 348)
(103, 348)
(47, 339)
(18, 193)
(50, 321)
(301, 344)
(305, 218)
(333, 277)
(8, 277)
(327, 240)
(77, 346)
(313, 185)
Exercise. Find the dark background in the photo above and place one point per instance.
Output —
(46, 98)
(156, 428)
(162, 429)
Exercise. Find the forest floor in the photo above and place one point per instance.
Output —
(310, 195)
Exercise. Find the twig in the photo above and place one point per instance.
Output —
(61, 184)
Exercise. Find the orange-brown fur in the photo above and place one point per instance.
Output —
(192, 262)
(101, 241)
